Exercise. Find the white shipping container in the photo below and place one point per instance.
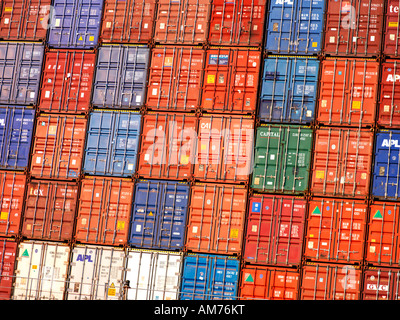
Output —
(153, 275)
(41, 271)
(96, 273)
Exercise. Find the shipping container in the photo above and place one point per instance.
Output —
(348, 92)
(224, 150)
(216, 218)
(8, 252)
(354, 28)
(159, 214)
(75, 24)
(175, 78)
(58, 146)
(168, 142)
(12, 198)
(209, 277)
(121, 76)
(67, 81)
(289, 89)
(41, 270)
(127, 21)
(266, 283)
(112, 143)
(391, 32)
(231, 80)
(153, 275)
(336, 230)
(237, 23)
(330, 282)
(282, 156)
(20, 72)
(295, 27)
(96, 273)
(16, 131)
(104, 211)
(24, 20)
(342, 162)
(275, 230)
(381, 284)
(182, 22)
(49, 211)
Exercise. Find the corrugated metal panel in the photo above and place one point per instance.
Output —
(8, 252)
(391, 31)
(381, 284)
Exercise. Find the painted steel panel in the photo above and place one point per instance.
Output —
(159, 214)
(8, 252)
(289, 89)
(381, 284)
(112, 143)
(389, 96)
(391, 31)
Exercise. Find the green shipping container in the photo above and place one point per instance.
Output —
(282, 158)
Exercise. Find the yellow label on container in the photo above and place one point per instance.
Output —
(315, 44)
(184, 159)
(393, 24)
(234, 233)
(8, 9)
(91, 38)
(211, 78)
(203, 147)
(111, 290)
(120, 225)
(356, 105)
(320, 174)
(4, 215)
(168, 62)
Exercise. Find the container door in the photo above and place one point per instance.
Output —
(389, 105)
(63, 29)
(12, 19)
(378, 284)
(8, 252)
(391, 33)
(195, 276)
(223, 278)
(87, 23)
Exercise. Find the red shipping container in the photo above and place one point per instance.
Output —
(50, 209)
(342, 162)
(12, 192)
(231, 80)
(354, 27)
(127, 21)
(175, 78)
(381, 284)
(391, 32)
(8, 249)
(104, 211)
(336, 230)
(216, 218)
(24, 20)
(275, 227)
(182, 22)
(263, 283)
(348, 92)
(239, 23)
(330, 282)
(224, 149)
(167, 146)
(58, 146)
(67, 81)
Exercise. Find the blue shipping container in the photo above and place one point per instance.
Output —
(75, 24)
(16, 127)
(386, 174)
(295, 26)
(289, 90)
(20, 71)
(112, 143)
(121, 76)
(208, 277)
(159, 215)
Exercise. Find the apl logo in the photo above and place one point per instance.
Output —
(284, 1)
(83, 257)
(390, 143)
(393, 78)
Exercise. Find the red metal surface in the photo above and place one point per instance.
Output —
(216, 218)
(224, 148)
(391, 34)
(58, 146)
(12, 191)
(67, 81)
(104, 210)
(330, 282)
(127, 21)
(175, 78)
(348, 92)
(50, 210)
(167, 146)
(381, 284)
(336, 230)
(231, 80)
(389, 104)
(275, 228)
(182, 22)
(239, 23)
(354, 27)
(263, 283)
(8, 249)
(342, 162)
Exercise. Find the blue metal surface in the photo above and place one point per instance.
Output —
(295, 26)
(208, 277)
(289, 90)
(121, 76)
(112, 143)
(159, 215)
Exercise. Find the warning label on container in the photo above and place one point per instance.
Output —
(248, 277)
(316, 210)
(378, 215)
(112, 290)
